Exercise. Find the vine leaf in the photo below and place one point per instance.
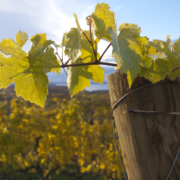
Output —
(102, 19)
(177, 46)
(77, 22)
(79, 76)
(87, 54)
(173, 56)
(27, 70)
(175, 59)
(9, 47)
(21, 38)
(64, 39)
(127, 51)
(116, 48)
(73, 42)
(97, 73)
(157, 69)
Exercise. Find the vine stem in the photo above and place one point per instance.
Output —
(91, 63)
(59, 57)
(67, 61)
(61, 61)
(104, 52)
(90, 29)
(86, 36)
(90, 41)
(86, 64)
(175, 69)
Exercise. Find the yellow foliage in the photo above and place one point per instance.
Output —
(81, 162)
(42, 161)
(102, 166)
(83, 169)
(89, 167)
(59, 136)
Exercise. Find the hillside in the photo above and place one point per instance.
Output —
(53, 89)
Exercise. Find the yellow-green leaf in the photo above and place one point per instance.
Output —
(9, 47)
(77, 22)
(156, 70)
(26, 71)
(64, 39)
(78, 78)
(73, 42)
(116, 48)
(102, 19)
(87, 53)
(177, 46)
(130, 51)
(21, 38)
(73, 45)
(173, 56)
(97, 73)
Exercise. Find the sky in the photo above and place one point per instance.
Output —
(157, 18)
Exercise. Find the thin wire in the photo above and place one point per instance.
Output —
(151, 112)
(173, 164)
(165, 81)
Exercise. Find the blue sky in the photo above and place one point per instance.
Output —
(157, 18)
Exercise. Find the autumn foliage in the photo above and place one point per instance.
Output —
(58, 141)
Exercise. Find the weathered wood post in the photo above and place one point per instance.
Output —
(149, 142)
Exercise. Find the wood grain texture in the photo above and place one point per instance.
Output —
(149, 142)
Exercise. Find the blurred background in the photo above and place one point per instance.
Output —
(71, 138)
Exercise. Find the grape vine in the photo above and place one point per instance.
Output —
(58, 140)
(135, 55)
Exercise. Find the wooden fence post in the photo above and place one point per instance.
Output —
(149, 142)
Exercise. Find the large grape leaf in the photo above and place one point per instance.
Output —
(97, 73)
(53, 70)
(116, 48)
(77, 22)
(26, 70)
(64, 39)
(127, 51)
(9, 47)
(79, 77)
(130, 31)
(39, 41)
(73, 42)
(102, 19)
(157, 69)
(173, 56)
(42, 55)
